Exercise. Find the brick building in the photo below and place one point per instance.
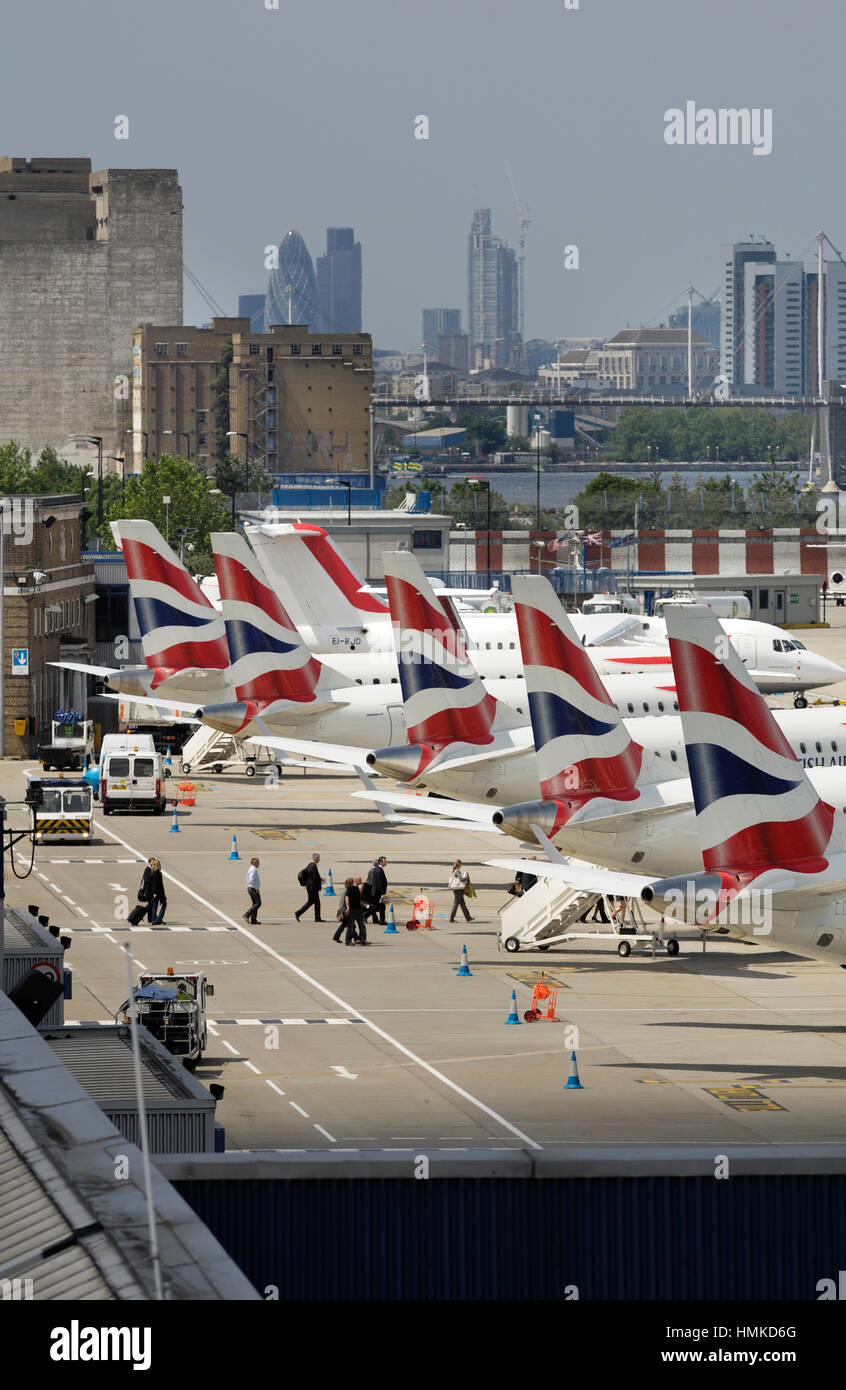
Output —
(49, 598)
(298, 401)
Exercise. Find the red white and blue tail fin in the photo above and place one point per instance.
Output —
(445, 700)
(316, 582)
(180, 629)
(270, 661)
(583, 747)
(756, 808)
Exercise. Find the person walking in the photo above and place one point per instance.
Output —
(342, 911)
(374, 890)
(254, 890)
(143, 905)
(310, 879)
(459, 880)
(354, 915)
(157, 895)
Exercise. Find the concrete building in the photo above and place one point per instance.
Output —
(339, 282)
(733, 332)
(173, 370)
(453, 350)
(47, 618)
(494, 313)
(653, 359)
(439, 323)
(84, 257)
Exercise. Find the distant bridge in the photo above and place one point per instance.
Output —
(557, 398)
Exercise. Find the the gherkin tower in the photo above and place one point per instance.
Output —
(292, 286)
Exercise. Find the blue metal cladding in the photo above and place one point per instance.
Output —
(647, 1238)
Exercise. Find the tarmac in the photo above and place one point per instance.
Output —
(324, 1047)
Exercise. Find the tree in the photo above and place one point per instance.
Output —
(18, 474)
(469, 505)
(485, 433)
(233, 476)
(220, 403)
(193, 507)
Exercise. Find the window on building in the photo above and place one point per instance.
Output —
(427, 540)
(201, 417)
(161, 349)
(201, 439)
(254, 349)
(269, 354)
(337, 349)
(182, 349)
(316, 349)
(271, 374)
(358, 349)
(295, 349)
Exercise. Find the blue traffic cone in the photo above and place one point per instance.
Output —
(168, 762)
(329, 890)
(174, 829)
(464, 968)
(233, 853)
(512, 1017)
(573, 1082)
(391, 928)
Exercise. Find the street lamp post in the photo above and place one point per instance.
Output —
(538, 436)
(179, 433)
(239, 434)
(485, 482)
(2, 643)
(98, 440)
(166, 501)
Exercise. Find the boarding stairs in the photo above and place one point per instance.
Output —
(549, 913)
(210, 750)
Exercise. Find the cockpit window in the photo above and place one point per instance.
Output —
(776, 645)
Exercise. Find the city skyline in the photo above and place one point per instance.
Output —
(607, 184)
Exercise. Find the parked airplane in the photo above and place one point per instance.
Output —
(770, 835)
(334, 607)
(612, 791)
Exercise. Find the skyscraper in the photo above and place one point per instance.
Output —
(734, 337)
(251, 306)
(440, 323)
(492, 296)
(292, 287)
(339, 282)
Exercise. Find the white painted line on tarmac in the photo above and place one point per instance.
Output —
(140, 964)
(109, 937)
(274, 1087)
(299, 1110)
(233, 1050)
(252, 1068)
(82, 913)
(68, 900)
(336, 999)
(212, 1030)
(326, 1132)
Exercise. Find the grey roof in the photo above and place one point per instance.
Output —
(665, 337)
(23, 932)
(59, 1159)
(99, 1057)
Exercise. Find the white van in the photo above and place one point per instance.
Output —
(131, 774)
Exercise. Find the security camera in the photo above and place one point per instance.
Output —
(38, 576)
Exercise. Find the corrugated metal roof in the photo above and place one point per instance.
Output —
(100, 1059)
(23, 933)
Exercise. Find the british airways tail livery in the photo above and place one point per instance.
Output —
(269, 659)
(179, 627)
(756, 808)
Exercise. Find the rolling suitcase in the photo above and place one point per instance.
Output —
(138, 912)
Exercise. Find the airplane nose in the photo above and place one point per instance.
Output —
(820, 670)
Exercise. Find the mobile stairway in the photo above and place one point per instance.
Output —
(212, 751)
(549, 914)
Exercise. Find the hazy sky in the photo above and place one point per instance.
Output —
(304, 117)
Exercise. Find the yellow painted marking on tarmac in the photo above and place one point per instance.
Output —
(532, 978)
(652, 1081)
(269, 834)
(742, 1098)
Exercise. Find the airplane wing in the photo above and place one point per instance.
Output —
(471, 815)
(598, 629)
(89, 670)
(161, 706)
(578, 874)
(331, 754)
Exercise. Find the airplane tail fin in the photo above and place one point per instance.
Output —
(445, 700)
(316, 582)
(756, 808)
(179, 627)
(270, 661)
(583, 747)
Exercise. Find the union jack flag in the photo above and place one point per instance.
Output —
(592, 538)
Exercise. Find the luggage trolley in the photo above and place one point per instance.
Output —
(544, 999)
(422, 912)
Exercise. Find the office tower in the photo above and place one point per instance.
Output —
(734, 339)
(252, 307)
(292, 287)
(706, 320)
(492, 297)
(453, 350)
(339, 282)
(84, 257)
(440, 323)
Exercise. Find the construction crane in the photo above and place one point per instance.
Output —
(525, 223)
